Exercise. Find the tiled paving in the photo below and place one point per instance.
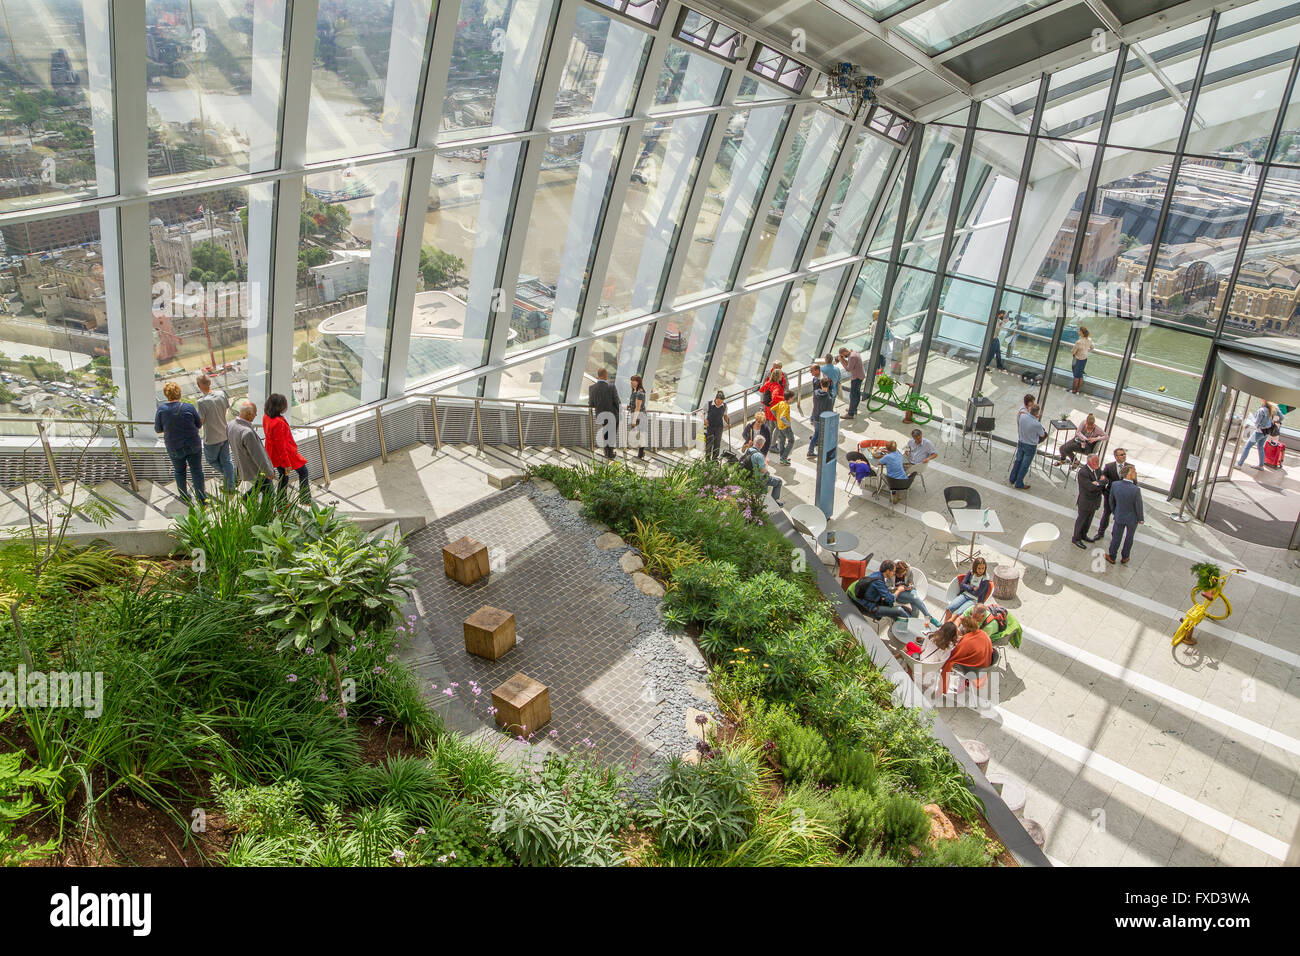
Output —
(573, 631)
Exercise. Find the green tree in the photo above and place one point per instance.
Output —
(440, 269)
(305, 352)
(212, 258)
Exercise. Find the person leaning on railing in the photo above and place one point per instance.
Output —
(250, 456)
(178, 422)
(280, 446)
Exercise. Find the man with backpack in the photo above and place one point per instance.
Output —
(822, 402)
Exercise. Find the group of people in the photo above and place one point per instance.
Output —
(1114, 489)
(603, 398)
(1266, 424)
(193, 432)
(961, 638)
(899, 464)
(1079, 351)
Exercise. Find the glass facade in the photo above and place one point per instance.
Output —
(601, 185)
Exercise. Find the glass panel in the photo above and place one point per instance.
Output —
(810, 309)
(882, 239)
(864, 305)
(855, 198)
(589, 90)
(651, 220)
(496, 62)
(688, 346)
(622, 355)
(955, 348)
(751, 324)
(573, 187)
(688, 80)
(988, 197)
(956, 21)
(1266, 296)
(354, 230)
(931, 204)
(783, 230)
(1245, 78)
(1049, 221)
(734, 188)
(906, 320)
(56, 297)
(201, 295)
(460, 259)
(214, 87)
(1156, 406)
(1147, 115)
(1076, 98)
(760, 91)
(1110, 335)
(542, 379)
(365, 82)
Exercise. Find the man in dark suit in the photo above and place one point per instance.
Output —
(603, 397)
(1126, 505)
(1110, 477)
(1091, 492)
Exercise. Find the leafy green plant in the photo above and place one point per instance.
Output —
(663, 553)
(855, 816)
(411, 784)
(221, 535)
(900, 822)
(1206, 574)
(338, 587)
(884, 383)
(16, 803)
(708, 806)
(802, 751)
(966, 850)
(852, 767)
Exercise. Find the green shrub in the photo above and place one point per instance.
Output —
(473, 771)
(17, 802)
(852, 767)
(707, 807)
(873, 857)
(855, 816)
(967, 850)
(663, 553)
(900, 822)
(803, 752)
(410, 784)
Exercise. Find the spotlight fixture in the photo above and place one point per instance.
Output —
(852, 86)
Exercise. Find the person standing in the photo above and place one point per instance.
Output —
(1030, 432)
(821, 402)
(771, 393)
(1126, 503)
(834, 373)
(1079, 353)
(758, 463)
(178, 422)
(785, 382)
(213, 406)
(246, 448)
(602, 396)
(715, 420)
(281, 447)
(784, 433)
(754, 430)
(995, 350)
(852, 362)
(637, 417)
(1110, 477)
(1266, 417)
(1092, 488)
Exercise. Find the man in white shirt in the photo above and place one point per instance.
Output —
(918, 451)
(213, 406)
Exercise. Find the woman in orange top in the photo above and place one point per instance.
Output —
(974, 649)
(280, 446)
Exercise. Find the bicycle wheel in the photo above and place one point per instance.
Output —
(1227, 609)
(1184, 631)
(877, 401)
(921, 411)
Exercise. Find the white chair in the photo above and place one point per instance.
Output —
(920, 584)
(1038, 539)
(919, 471)
(937, 531)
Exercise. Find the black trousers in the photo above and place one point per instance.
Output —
(1082, 522)
(304, 490)
(712, 445)
(1105, 517)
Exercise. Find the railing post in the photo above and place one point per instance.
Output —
(49, 459)
(556, 409)
(437, 439)
(126, 459)
(591, 418)
(519, 423)
(478, 421)
(324, 465)
(798, 391)
(383, 445)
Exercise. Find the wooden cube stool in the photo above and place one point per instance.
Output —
(466, 560)
(489, 632)
(523, 705)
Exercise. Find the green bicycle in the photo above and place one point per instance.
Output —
(913, 402)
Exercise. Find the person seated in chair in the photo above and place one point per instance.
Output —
(998, 623)
(874, 594)
(905, 593)
(973, 587)
(755, 428)
(973, 650)
(919, 451)
(935, 649)
(891, 459)
(1087, 439)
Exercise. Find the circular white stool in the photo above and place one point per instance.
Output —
(979, 753)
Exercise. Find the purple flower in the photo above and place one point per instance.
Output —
(398, 855)
(292, 678)
(378, 721)
(449, 692)
(419, 831)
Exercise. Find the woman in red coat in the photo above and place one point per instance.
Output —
(280, 446)
(773, 391)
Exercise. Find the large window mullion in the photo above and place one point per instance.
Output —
(561, 31)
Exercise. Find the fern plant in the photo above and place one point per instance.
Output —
(17, 802)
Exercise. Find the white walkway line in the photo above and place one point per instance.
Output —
(1173, 614)
(1194, 809)
(1043, 504)
(1173, 695)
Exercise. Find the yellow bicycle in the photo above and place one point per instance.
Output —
(1203, 600)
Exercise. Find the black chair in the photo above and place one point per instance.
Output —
(960, 496)
(900, 485)
(981, 436)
